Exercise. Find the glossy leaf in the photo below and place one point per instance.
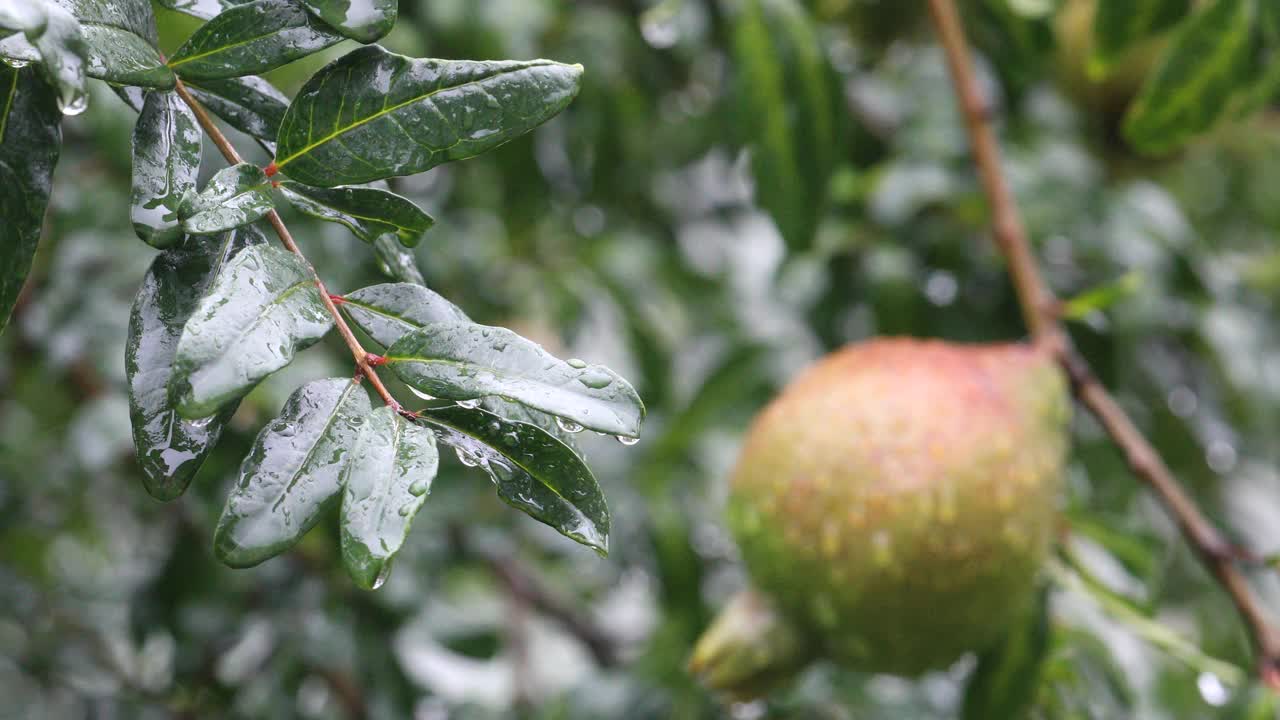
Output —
(396, 261)
(373, 114)
(249, 104)
(169, 448)
(58, 47)
(1120, 24)
(387, 312)
(1207, 61)
(367, 212)
(533, 471)
(166, 160)
(23, 16)
(461, 361)
(360, 20)
(262, 308)
(235, 196)
(203, 9)
(120, 37)
(30, 138)
(384, 484)
(293, 470)
(251, 38)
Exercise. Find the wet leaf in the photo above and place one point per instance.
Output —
(396, 261)
(373, 114)
(461, 361)
(385, 483)
(203, 9)
(23, 16)
(360, 20)
(386, 312)
(262, 308)
(293, 470)
(367, 212)
(533, 471)
(120, 37)
(235, 196)
(249, 104)
(1120, 24)
(171, 449)
(166, 160)
(59, 49)
(30, 138)
(250, 39)
(1205, 64)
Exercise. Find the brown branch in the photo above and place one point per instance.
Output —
(229, 152)
(1037, 301)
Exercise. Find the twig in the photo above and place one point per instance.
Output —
(229, 152)
(1036, 301)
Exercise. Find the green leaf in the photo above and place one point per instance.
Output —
(59, 49)
(23, 16)
(203, 9)
(462, 361)
(120, 36)
(1120, 24)
(293, 470)
(171, 449)
(1004, 683)
(396, 261)
(385, 483)
(360, 20)
(235, 196)
(372, 114)
(387, 312)
(249, 104)
(251, 38)
(262, 308)
(30, 138)
(1102, 297)
(367, 212)
(166, 160)
(533, 471)
(1207, 61)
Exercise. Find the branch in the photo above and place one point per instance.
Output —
(229, 152)
(1037, 301)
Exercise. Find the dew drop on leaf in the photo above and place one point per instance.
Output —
(469, 404)
(382, 576)
(576, 363)
(421, 394)
(568, 426)
(628, 441)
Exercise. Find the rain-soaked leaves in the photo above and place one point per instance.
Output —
(203, 9)
(463, 361)
(294, 468)
(22, 16)
(120, 36)
(368, 212)
(59, 50)
(235, 196)
(384, 484)
(30, 138)
(262, 308)
(251, 38)
(373, 114)
(166, 160)
(249, 104)
(170, 449)
(388, 311)
(533, 471)
(360, 20)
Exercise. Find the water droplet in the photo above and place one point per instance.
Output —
(421, 394)
(596, 379)
(576, 363)
(471, 404)
(1212, 689)
(16, 64)
(382, 576)
(628, 441)
(466, 458)
(419, 488)
(568, 426)
(406, 509)
(78, 103)
(200, 422)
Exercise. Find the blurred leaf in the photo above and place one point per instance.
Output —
(396, 261)
(251, 38)
(120, 37)
(166, 160)
(1004, 683)
(249, 104)
(360, 20)
(30, 138)
(1102, 297)
(1120, 24)
(533, 471)
(1205, 64)
(367, 212)
(23, 16)
(261, 309)
(235, 196)
(372, 114)
(461, 361)
(1082, 680)
(386, 482)
(293, 470)
(387, 312)
(171, 449)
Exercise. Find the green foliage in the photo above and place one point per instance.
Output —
(367, 212)
(251, 38)
(166, 160)
(234, 197)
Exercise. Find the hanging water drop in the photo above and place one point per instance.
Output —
(77, 104)
(382, 576)
(628, 441)
(471, 404)
(466, 458)
(16, 64)
(568, 426)
(421, 394)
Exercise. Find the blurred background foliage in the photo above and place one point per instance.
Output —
(633, 231)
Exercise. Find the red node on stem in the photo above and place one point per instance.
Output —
(271, 169)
